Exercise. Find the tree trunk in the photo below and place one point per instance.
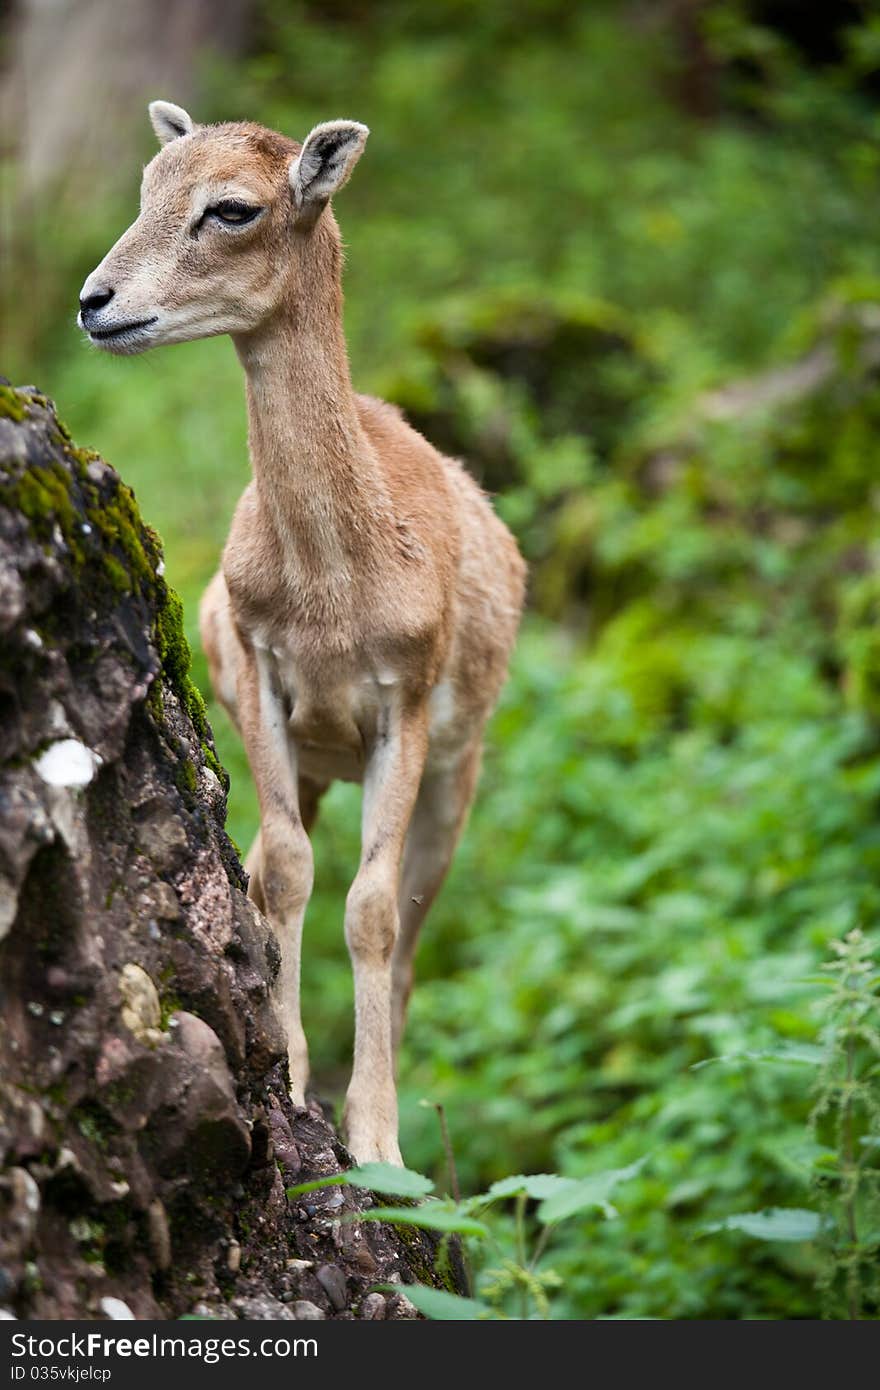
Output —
(107, 59)
(146, 1137)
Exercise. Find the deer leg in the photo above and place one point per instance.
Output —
(391, 784)
(282, 877)
(438, 819)
(310, 794)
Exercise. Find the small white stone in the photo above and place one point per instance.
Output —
(117, 1310)
(25, 1190)
(86, 529)
(67, 763)
(33, 639)
(306, 1311)
(160, 568)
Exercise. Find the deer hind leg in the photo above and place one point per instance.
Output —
(310, 794)
(282, 882)
(221, 645)
(393, 773)
(438, 819)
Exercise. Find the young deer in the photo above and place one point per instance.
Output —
(368, 600)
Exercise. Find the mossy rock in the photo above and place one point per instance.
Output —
(79, 510)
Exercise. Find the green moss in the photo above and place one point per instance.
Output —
(198, 710)
(118, 522)
(413, 1241)
(43, 496)
(171, 640)
(101, 525)
(118, 575)
(215, 765)
(81, 457)
(94, 1124)
(120, 1093)
(12, 403)
(443, 1264)
(175, 656)
(169, 1003)
(129, 552)
(57, 1093)
(186, 778)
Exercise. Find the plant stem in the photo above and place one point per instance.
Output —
(521, 1250)
(450, 1155)
(455, 1189)
(851, 1178)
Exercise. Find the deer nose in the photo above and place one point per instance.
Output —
(90, 303)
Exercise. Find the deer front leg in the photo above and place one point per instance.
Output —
(391, 785)
(283, 869)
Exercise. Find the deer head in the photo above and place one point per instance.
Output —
(210, 252)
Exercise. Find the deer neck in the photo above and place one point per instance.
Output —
(317, 479)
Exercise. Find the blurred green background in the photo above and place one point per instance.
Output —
(623, 258)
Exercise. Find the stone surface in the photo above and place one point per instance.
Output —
(373, 1307)
(146, 1136)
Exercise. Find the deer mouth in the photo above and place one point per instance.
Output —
(120, 330)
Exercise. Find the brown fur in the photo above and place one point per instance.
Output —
(368, 600)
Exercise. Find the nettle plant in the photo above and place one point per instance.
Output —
(843, 1172)
(505, 1230)
(846, 1123)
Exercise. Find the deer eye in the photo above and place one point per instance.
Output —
(233, 213)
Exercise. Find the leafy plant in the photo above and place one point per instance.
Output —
(847, 1115)
(520, 1278)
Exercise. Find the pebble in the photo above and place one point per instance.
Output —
(332, 1281)
(373, 1307)
(117, 1310)
(305, 1311)
(261, 1308)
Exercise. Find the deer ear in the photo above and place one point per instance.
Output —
(170, 121)
(325, 162)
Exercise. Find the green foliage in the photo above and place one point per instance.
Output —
(847, 1116)
(551, 261)
(430, 1217)
(774, 1223)
(375, 1177)
(438, 1304)
(517, 1281)
(515, 1277)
